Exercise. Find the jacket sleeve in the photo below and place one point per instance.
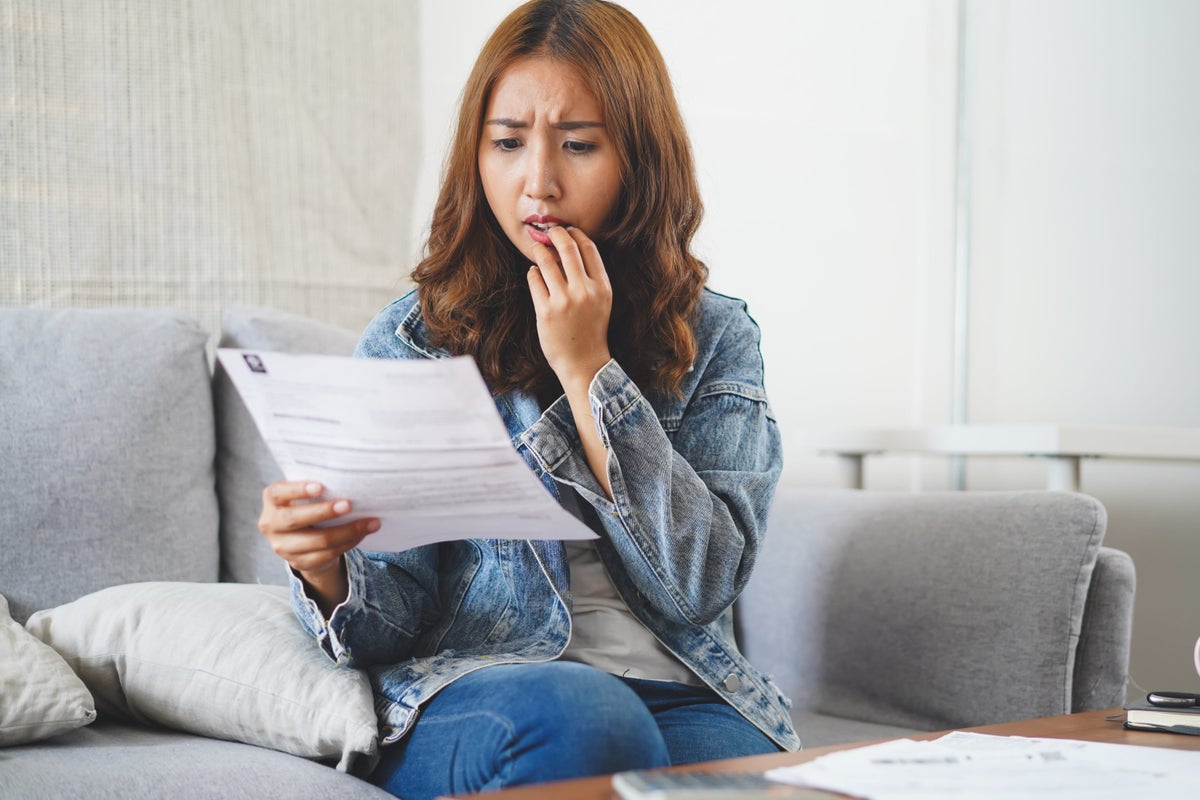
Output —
(390, 602)
(393, 596)
(689, 507)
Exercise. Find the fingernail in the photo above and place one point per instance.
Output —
(341, 507)
(372, 526)
(313, 488)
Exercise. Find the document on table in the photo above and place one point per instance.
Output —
(417, 443)
(984, 767)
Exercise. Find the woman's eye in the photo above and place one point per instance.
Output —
(506, 145)
(579, 148)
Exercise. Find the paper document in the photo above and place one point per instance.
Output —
(985, 767)
(417, 443)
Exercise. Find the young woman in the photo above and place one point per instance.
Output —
(559, 258)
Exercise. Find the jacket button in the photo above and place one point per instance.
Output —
(733, 683)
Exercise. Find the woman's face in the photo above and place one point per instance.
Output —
(545, 156)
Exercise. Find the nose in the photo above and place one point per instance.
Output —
(541, 179)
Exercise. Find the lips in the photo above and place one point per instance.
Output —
(538, 226)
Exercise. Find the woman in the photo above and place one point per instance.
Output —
(559, 258)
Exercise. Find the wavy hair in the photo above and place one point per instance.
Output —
(473, 289)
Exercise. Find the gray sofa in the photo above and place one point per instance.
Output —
(149, 650)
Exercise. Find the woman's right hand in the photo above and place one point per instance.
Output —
(291, 510)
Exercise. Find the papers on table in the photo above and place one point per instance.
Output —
(417, 443)
(985, 767)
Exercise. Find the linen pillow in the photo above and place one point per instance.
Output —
(223, 660)
(244, 464)
(40, 696)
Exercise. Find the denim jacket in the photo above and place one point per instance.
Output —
(692, 479)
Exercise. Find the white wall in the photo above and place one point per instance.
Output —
(824, 136)
(1086, 270)
(821, 132)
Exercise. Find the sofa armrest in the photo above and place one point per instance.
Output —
(926, 611)
(1102, 658)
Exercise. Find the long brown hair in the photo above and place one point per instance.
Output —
(474, 293)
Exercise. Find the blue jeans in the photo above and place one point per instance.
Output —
(514, 724)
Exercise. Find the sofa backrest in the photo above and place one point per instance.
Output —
(244, 465)
(106, 453)
(116, 466)
(929, 610)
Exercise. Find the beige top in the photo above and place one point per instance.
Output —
(604, 632)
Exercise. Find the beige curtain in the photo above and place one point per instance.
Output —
(198, 154)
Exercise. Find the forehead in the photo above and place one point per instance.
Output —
(535, 87)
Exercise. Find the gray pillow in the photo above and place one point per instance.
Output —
(40, 696)
(244, 465)
(106, 438)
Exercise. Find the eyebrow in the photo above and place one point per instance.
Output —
(561, 126)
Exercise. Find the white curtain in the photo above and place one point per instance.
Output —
(198, 154)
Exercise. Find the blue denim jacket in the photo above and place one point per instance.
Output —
(692, 479)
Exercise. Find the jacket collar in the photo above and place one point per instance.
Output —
(519, 410)
(412, 332)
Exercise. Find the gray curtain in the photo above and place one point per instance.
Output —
(198, 154)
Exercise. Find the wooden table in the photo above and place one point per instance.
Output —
(1092, 726)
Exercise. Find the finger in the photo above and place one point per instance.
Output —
(568, 252)
(551, 271)
(305, 515)
(281, 493)
(319, 549)
(589, 253)
(315, 561)
(309, 515)
(328, 542)
(318, 541)
(537, 287)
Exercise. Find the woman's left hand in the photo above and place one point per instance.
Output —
(573, 301)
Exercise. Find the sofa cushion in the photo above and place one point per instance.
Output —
(821, 730)
(106, 446)
(117, 761)
(220, 659)
(39, 694)
(244, 465)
